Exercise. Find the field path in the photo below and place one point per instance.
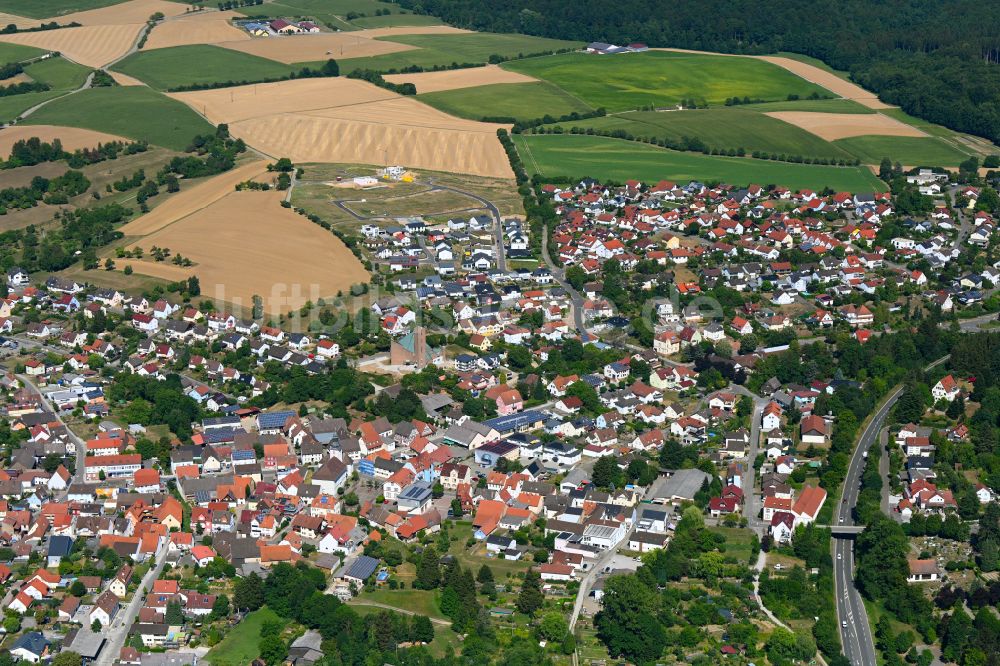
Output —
(191, 201)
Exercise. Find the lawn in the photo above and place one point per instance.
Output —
(169, 68)
(135, 112)
(618, 160)
(18, 52)
(720, 128)
(239, 647)
(475, 557)
(54, 8)
(658, 78)
(908, 150)
(422, 602)
(522, 101)
(737, 541)
(474, 47)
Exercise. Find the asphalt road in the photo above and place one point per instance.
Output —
(855, 630)
(559, 276)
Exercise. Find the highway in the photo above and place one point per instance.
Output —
(855, 630)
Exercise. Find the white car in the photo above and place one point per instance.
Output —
(840, 556)
(844, 624)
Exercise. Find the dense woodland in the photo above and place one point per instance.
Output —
(937, 60)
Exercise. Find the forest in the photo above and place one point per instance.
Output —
(936, 60)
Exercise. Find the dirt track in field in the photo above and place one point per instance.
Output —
(427, 82)
(72, 138)
(245, 243)
(833, 126)
(344, 120)
(90, 45)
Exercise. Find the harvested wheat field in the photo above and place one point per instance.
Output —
(323, 46)
(126, 13)
(831, 82)
(189, 201)
(90, 45)
(19, 21)
(208, 30)
(427, 82)
(125, 79)
(367, 141)
(833, 126)
(72, 138)
(372, 33)
(246, 243)
(345, 120)
(227, 105)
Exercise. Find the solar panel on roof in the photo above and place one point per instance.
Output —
(273, 419)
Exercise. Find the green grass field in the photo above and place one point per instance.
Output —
(11, 107)
(395, 20)
(719, 128)
(523, 101)
(47, 8)
(658, 78)
(240, 646)
(62, 75)
(133, 111)
(59, 73)
(461, 48)
(164, 69)
(811, 105)
(617, 160)
(908, 150)
(18, 52)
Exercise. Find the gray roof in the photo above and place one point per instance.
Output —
(682, 484)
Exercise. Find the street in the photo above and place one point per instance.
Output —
(117, 633)
(855, 630)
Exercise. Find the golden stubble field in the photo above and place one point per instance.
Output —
(322, 46)
(344, 120)
(453, 79)
(244, 243)
(90, 45)
(833, 126)
(195, 28)
(72, 138)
